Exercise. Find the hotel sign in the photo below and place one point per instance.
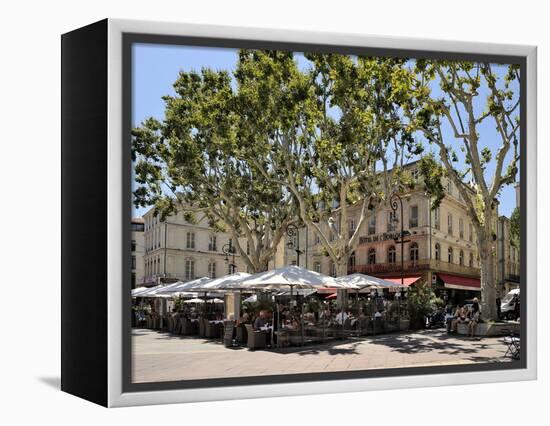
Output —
(380, 237)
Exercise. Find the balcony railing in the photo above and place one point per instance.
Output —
(414, 266)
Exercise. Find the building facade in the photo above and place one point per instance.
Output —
(440, 247)
(508, 265)
(138, 250)
(176, 249)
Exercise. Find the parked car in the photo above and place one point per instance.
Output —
(508, 305)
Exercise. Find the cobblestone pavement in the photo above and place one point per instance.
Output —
(165, 357)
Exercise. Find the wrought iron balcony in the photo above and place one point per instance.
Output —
(414, 266)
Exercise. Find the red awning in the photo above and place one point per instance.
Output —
(460, 283)
(332, 296)
(407, 281)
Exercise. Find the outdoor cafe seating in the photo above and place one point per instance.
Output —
(257, 339)
(513, 346)
(306, 317)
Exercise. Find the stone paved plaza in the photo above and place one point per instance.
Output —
(161, 356)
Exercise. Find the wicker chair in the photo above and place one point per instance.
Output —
(211, 330)
(202, 327)
(256, 339)
(242, 335)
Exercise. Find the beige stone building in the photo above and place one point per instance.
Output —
(176, 249)
(138, 250)
(508, 266)
(441, 248)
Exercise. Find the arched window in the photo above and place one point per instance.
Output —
(437, 251)
(461, 258)
(372, 256)
(471, 261)
(391, 254)
(414, 252)
(450, 255)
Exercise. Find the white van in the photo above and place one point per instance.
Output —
(507, 305)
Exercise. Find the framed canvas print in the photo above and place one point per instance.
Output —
(281, 213)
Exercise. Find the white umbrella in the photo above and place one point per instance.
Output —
(197, 300)
(285, 277)
(165, 291)
(182, 286)
(359, 281)
(138, 290)
(222, 283)
(215, 300)
(148, 292)
(251, 299)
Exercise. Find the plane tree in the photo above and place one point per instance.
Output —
(191, 161)
(469, 112)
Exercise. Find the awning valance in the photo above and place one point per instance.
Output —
(460, 283)
(407, 281)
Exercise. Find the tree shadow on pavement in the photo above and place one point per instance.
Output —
(407, 344)
(340, 347)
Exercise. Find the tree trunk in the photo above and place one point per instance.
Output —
(342, 267)
(488, 279)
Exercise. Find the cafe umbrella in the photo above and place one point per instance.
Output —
(283, 278)
(137, 291)
(216, 284)
(360, 281)
(182, 286)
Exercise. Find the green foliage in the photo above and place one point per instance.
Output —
(197, 159)
(515, 227)
(178, 303)
(432, 173)
(254, 148)
(421, 301)
(313, 305)
(260, 305)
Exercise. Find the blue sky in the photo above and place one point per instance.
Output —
(156, 68)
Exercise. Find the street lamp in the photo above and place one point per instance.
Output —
(293, 231)
(228, 249)
(394, 200)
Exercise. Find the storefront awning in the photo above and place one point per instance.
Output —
(407, 281)
(460, 283)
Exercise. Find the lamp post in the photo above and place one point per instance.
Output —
(293, 231)
(228, 249)
(395, 202)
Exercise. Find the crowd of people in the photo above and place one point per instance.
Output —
(328, 315)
